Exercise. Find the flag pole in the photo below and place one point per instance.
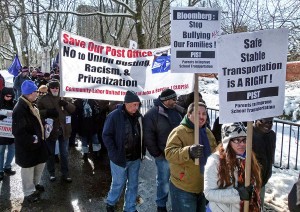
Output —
(196, 109)
(248, 160)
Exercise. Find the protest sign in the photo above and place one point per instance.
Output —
(252, 70)
(94, 70)
(6, 129)
(194, 34)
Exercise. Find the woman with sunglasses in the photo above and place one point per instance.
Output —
(6, 103)
(224, 176)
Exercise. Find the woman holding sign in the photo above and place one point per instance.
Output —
(7, 103)
(224, 176)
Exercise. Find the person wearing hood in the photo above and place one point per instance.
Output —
(31, 150)
(123, 137)
(186, 181)
(59, 109)
(224, 176)
(159, 121)
(7, 102)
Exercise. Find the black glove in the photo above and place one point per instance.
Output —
(196, 151)
(52, 113)
(245, 192)
(62, 103)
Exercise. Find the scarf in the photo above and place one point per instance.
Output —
(34, 112)
(203, 140)
(254, 204)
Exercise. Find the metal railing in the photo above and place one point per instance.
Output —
(287, 137)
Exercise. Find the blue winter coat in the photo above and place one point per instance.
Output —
(113, 136)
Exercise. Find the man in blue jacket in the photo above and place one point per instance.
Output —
(159, 121)
(122, 136)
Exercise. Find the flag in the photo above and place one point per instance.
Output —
(15, 66)
(56, 61)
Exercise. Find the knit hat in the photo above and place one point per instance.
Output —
(167, 94)
(232, 130)
(53, 84)
(131, 97)
(28, 87)
(25, 69)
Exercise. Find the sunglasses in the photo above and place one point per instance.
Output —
(266, 121)
(238, 141)
(55, 88)
(8, 96)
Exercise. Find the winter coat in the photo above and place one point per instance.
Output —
(26, 124)
(114, 136)
(158, 122)
(88, 124)
(50, 102)
(220, 200)
(7, 105)
(185, 175)
(264, 145)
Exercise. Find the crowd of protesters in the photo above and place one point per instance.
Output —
(43, 121)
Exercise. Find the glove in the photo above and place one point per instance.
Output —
(196, 151)
(52, 113)
(245, 192)
(35, 139)
(62, 103)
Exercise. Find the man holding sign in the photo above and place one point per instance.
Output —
(186, 182)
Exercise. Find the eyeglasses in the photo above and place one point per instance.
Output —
(238, 141)
(8, 96)
(42, 93)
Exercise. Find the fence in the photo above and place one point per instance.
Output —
(287, 138)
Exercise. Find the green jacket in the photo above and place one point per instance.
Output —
(185, 175)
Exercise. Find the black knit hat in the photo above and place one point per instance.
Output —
(167, 94)
(131, 97)
(53, 84)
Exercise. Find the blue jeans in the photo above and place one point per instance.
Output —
(64, 154)
(9, 156)
(186, 201)
(121, 176)
(95, 142)
(162, 181)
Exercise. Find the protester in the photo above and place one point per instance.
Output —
(185, 100)
(43, 90)
(58, 109)
(88, 125)
(224, 176)
(159, 121)
(31, 150)
(2, 82)
(264, 145)
(122, 136)
(6, 103)
(294, 197)
(186, 181)
(45, 80)
(33, 74)
(24, 75)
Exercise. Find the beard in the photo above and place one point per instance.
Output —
(55, 93)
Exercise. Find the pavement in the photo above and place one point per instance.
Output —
(87, 192)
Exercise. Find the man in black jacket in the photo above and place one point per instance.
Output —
(31, 150)
(159, 121)
(264, 145)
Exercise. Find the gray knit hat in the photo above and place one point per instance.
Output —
(232, 130)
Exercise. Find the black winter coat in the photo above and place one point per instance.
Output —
(264, 145)
(25, 126)
(7, 105)
(158, 122)
(88, 126)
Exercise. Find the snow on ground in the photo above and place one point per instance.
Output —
(282, 179)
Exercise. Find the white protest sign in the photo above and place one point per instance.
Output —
(252, 71)
(194, 34)
(93, 70)
(6, 129)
